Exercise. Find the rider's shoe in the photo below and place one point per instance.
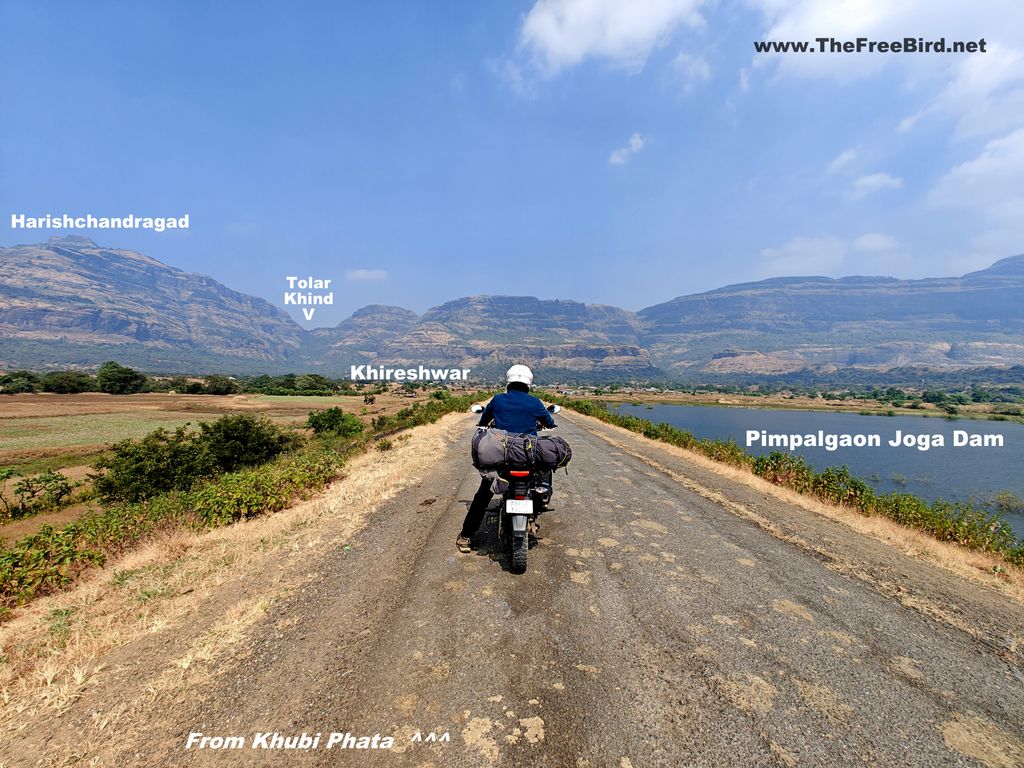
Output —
(464, 544)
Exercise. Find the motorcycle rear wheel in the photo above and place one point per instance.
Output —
(520, 546)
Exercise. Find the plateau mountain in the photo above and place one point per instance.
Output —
(72, 303)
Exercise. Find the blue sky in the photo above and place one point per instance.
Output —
(619, 153)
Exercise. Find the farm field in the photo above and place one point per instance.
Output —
(69, 432)
(45, 426)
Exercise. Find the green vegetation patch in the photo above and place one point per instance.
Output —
(52, 559)
(32, 494)
(30, 432)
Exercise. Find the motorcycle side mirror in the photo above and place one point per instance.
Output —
(476, 408)
(554, 408)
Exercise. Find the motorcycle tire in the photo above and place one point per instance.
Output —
(520, 546)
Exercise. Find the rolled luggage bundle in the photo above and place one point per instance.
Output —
(496, 450)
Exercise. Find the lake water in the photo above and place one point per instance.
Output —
(951, 473)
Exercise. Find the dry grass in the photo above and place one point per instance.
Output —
(988, 569)
(180, 603)
(34, 424)
(47, 431)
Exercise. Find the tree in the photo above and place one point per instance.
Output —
(18, 382)
(219, 385)
(313, 382)
(115, 379)
(67, 382)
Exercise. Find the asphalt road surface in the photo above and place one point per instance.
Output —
(669, 617)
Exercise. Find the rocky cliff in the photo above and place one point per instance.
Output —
(72, 302)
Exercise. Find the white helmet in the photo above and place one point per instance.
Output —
(521, 374)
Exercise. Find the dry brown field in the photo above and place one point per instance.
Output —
(68, 432)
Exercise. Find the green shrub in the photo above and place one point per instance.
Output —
(243, 440)
(161, 461)
(67, 382)
(43, 492)
(334, 421)
(164, 461)
(219, 385)
(385, 445)
(116, 379)
(18, 383)
(786, 469)
(50, 559)
(837, 486)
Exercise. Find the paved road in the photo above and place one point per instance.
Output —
(655, 627)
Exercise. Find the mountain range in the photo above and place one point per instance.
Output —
(72, 303)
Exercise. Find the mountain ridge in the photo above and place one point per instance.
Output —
(95, 299)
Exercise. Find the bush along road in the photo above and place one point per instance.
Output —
(232, 469)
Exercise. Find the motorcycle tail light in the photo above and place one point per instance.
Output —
(520, 473)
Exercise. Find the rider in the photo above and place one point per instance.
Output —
(516, 411)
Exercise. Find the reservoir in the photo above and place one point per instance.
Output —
(937, 472)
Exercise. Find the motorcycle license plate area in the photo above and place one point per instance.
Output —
(519, 507)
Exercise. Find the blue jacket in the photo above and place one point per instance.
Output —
(516, 412)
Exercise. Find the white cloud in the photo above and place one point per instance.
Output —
(990, 184)
(691, 71)
(622, 155)
(873, 182)
(744, 79)
(841, 160)
(511, 74)
(366, 274)
(562, 33)
(983, 92)
(907, 123)
(805, 256)
(872, 253)
(985, 196)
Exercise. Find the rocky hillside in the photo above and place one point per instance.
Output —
(71, 302)
(561, 339)
(786, 324)
(73, 291)
(361, 337)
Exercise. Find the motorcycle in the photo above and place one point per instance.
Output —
(526, 492)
